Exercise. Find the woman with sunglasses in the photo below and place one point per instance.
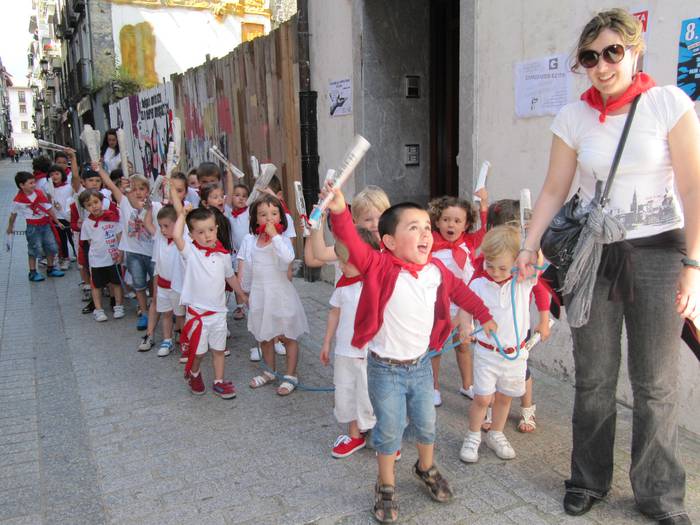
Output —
(645, 279)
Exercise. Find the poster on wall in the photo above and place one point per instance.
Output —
(643, 16)
(147, 120)
(688, 78)
(340, 97)
(542, 86)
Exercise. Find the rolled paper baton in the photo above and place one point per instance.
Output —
(481, 180)
(91, 139)
(267, 171)
(350, 162)
(301, 207)
(121, 140)
(216, 153)
(45, 144)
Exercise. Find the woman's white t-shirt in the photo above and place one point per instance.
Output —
(643, 196)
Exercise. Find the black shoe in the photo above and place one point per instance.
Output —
(576, 504)
(683, 519)
(89, 308)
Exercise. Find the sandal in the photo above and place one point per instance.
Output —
(527, 422)
(238, 314)
(386, 508)
(261, 380)
(287, 386)
(437, 485)
(486, 425)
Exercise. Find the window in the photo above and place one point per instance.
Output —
(20, 95)
(25, 126)
(22, 108)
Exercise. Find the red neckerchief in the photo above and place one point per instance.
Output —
(261, 231)
(36, 205)
(38, 175)
(108, 215)
(641, 83)
(218, 248)
(458, 254)
(284, 207)
(170, 241)
(60, 185)
(411, 268)
(239, 211)
(347, 281)
(480, 271)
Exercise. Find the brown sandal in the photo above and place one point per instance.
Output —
(437, 485)
(386, 508)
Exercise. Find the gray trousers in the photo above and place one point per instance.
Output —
(653, 333)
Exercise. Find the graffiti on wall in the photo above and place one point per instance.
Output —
(137, 43)
(147, 117)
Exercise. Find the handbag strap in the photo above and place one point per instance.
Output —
(618, 152)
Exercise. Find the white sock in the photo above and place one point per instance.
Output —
(194, 374)
(217, 381)
(476, 435)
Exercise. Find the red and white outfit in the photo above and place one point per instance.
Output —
(493, 372)
(204, 295)
(77, 214)
(34, 208)
(170, 269)
(103, 234)
(274, 307)
(61, 196)
(352, 401)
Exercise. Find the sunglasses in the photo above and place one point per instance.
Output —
(611, 54)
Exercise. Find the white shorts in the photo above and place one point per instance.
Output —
(213, 332)
(168, 300)
(351, 397)
(495, 373)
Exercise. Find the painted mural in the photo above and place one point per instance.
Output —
(148, 117)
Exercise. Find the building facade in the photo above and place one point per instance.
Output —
(5, 124)
(21, 102)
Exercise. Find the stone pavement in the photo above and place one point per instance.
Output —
(93, 432)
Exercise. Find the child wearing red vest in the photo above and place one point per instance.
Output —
(42, 224)
(404, 309)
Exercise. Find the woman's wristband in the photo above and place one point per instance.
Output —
(534, 252)
(691, 263)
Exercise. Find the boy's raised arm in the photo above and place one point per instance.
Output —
(107, 181)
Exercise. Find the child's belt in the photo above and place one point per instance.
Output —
(508, 351)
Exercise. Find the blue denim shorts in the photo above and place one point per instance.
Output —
(402, 396)
(40, 241)
(142, 268)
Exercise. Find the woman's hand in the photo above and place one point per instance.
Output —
(688, 290)
(525, 262)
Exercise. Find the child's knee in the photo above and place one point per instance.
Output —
(482, 401)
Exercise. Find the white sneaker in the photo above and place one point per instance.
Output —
(130, 295)
(64, 264)
(99, 315)
(85, 287)
(280, 349)
(470, 447)
(228, 334)
(498, 442)
(437, 398)
(467, 392)
(227, 352)
(255, 354)
(118, 311)
(166, 346)
(146, 343)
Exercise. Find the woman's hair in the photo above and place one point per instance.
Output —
(85, 196)
(41, 163)
(369, 197)
(116, 175)
(270, 200)
(624, 23)
(499, 240)
(207, 190)
(104, 146)
(167, 212)
(56, 167)
(137, 179)
(439, 205)
(505, 211)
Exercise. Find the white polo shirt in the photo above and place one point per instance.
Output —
(204, 284)
(346, 298)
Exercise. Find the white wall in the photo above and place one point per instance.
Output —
(518, 149)
(183, 36)
(19, 139)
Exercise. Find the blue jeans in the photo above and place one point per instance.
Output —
(141, 268)
(401, 396)
(40, 241)
(653, 331)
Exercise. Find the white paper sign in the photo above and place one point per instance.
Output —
(340, 97)
(542, 86)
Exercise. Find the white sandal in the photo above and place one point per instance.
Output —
(527, 419)
(261, 380)
(289, 384)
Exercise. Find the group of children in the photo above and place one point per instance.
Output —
(407, 280)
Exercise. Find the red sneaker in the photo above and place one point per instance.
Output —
(224, 389)
(196, 385)
(345, 445)
(398, 455)
(184, 352)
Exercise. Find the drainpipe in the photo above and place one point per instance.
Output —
(307, 119)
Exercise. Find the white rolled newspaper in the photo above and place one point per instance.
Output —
(123, 155)
(267, 171)
(254, 167)
(91, 138)
(45, 144)
(481, 179)
(173, 157)
(536, 337)
(352, 158)
(216, 153)
(301, 207)
(525, 211)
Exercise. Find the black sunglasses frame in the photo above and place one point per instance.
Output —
(606, 53)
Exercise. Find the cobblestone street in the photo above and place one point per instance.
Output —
(92, 431)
